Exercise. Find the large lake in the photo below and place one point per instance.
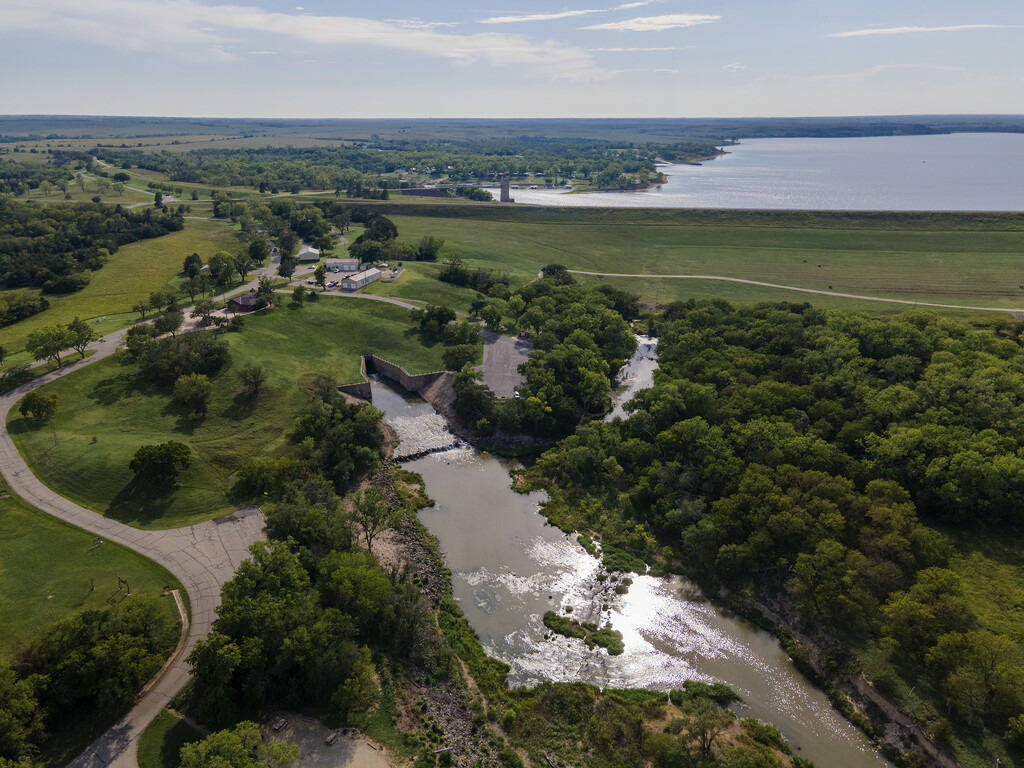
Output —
(958, 172)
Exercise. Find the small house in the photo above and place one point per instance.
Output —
(341, 265)
(245, 302)
(308, 254)
(360, 279)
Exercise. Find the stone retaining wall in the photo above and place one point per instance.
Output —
(435, 387)
(418, 383)
(360, 390)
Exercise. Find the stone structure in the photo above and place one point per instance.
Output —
(505, 195)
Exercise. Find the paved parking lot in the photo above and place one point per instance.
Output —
(502, 357)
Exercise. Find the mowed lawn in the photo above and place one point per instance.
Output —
(972, 267)
(48, 570)
(133, 273)
(419, 283)
(106, 412)
(160, 744)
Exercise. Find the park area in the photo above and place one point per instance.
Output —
(940, 258)
(33, 595)
(134, 272)
(107, 411)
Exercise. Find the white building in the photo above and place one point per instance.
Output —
(341, 265)
(308, 254)
(360, 279)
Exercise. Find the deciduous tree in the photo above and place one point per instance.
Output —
(253, 377)
(50, 342)
(193, 391)
(372, 514)
(82, 335)
(39, 407)
(160, 463)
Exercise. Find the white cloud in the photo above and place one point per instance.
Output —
(189, 28)
(657, 23)
(631, 50)
(536, 17)
(262, 53)
(910, 30)
(668, 71)
(420, 24)
(554, 15)
(735, 67)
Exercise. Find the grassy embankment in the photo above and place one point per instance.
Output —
(133, 273)
(49, 570)
(963, 259)
(106, 412)
(160, 744)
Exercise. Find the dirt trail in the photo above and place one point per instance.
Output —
(801, 290)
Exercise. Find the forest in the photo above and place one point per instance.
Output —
(385, 163)
(17, 178)
(89, 665)
(803, 460)
(314, 621)
(55, 247)
(581, 338)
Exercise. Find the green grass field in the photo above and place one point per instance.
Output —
(106, 413)
(134, 272)
(160, 744)
(419, 282)
(48, 570)
(956, 260)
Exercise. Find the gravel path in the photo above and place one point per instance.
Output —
(801, 290)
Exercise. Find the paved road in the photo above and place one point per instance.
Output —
(202, 557)
(801, 290)
(502, 358)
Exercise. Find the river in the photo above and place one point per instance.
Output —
(955, 172)
(509, 566)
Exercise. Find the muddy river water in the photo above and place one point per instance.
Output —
(509, 566)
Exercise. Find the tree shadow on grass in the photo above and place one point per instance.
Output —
(243, 405)
(415, 334)
(114, 388)
(20, 425)
(180, 734)
(141, 502)
(186, 419)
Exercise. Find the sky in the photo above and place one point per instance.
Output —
(511, 58)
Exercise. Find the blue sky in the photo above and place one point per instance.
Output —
(511, 58)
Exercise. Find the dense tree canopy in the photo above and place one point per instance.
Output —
(380, 164)
(55, 247)
(92, 661)
(791, 451)
(581, 339)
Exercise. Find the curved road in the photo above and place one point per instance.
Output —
(202, 557)
(801, 290)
